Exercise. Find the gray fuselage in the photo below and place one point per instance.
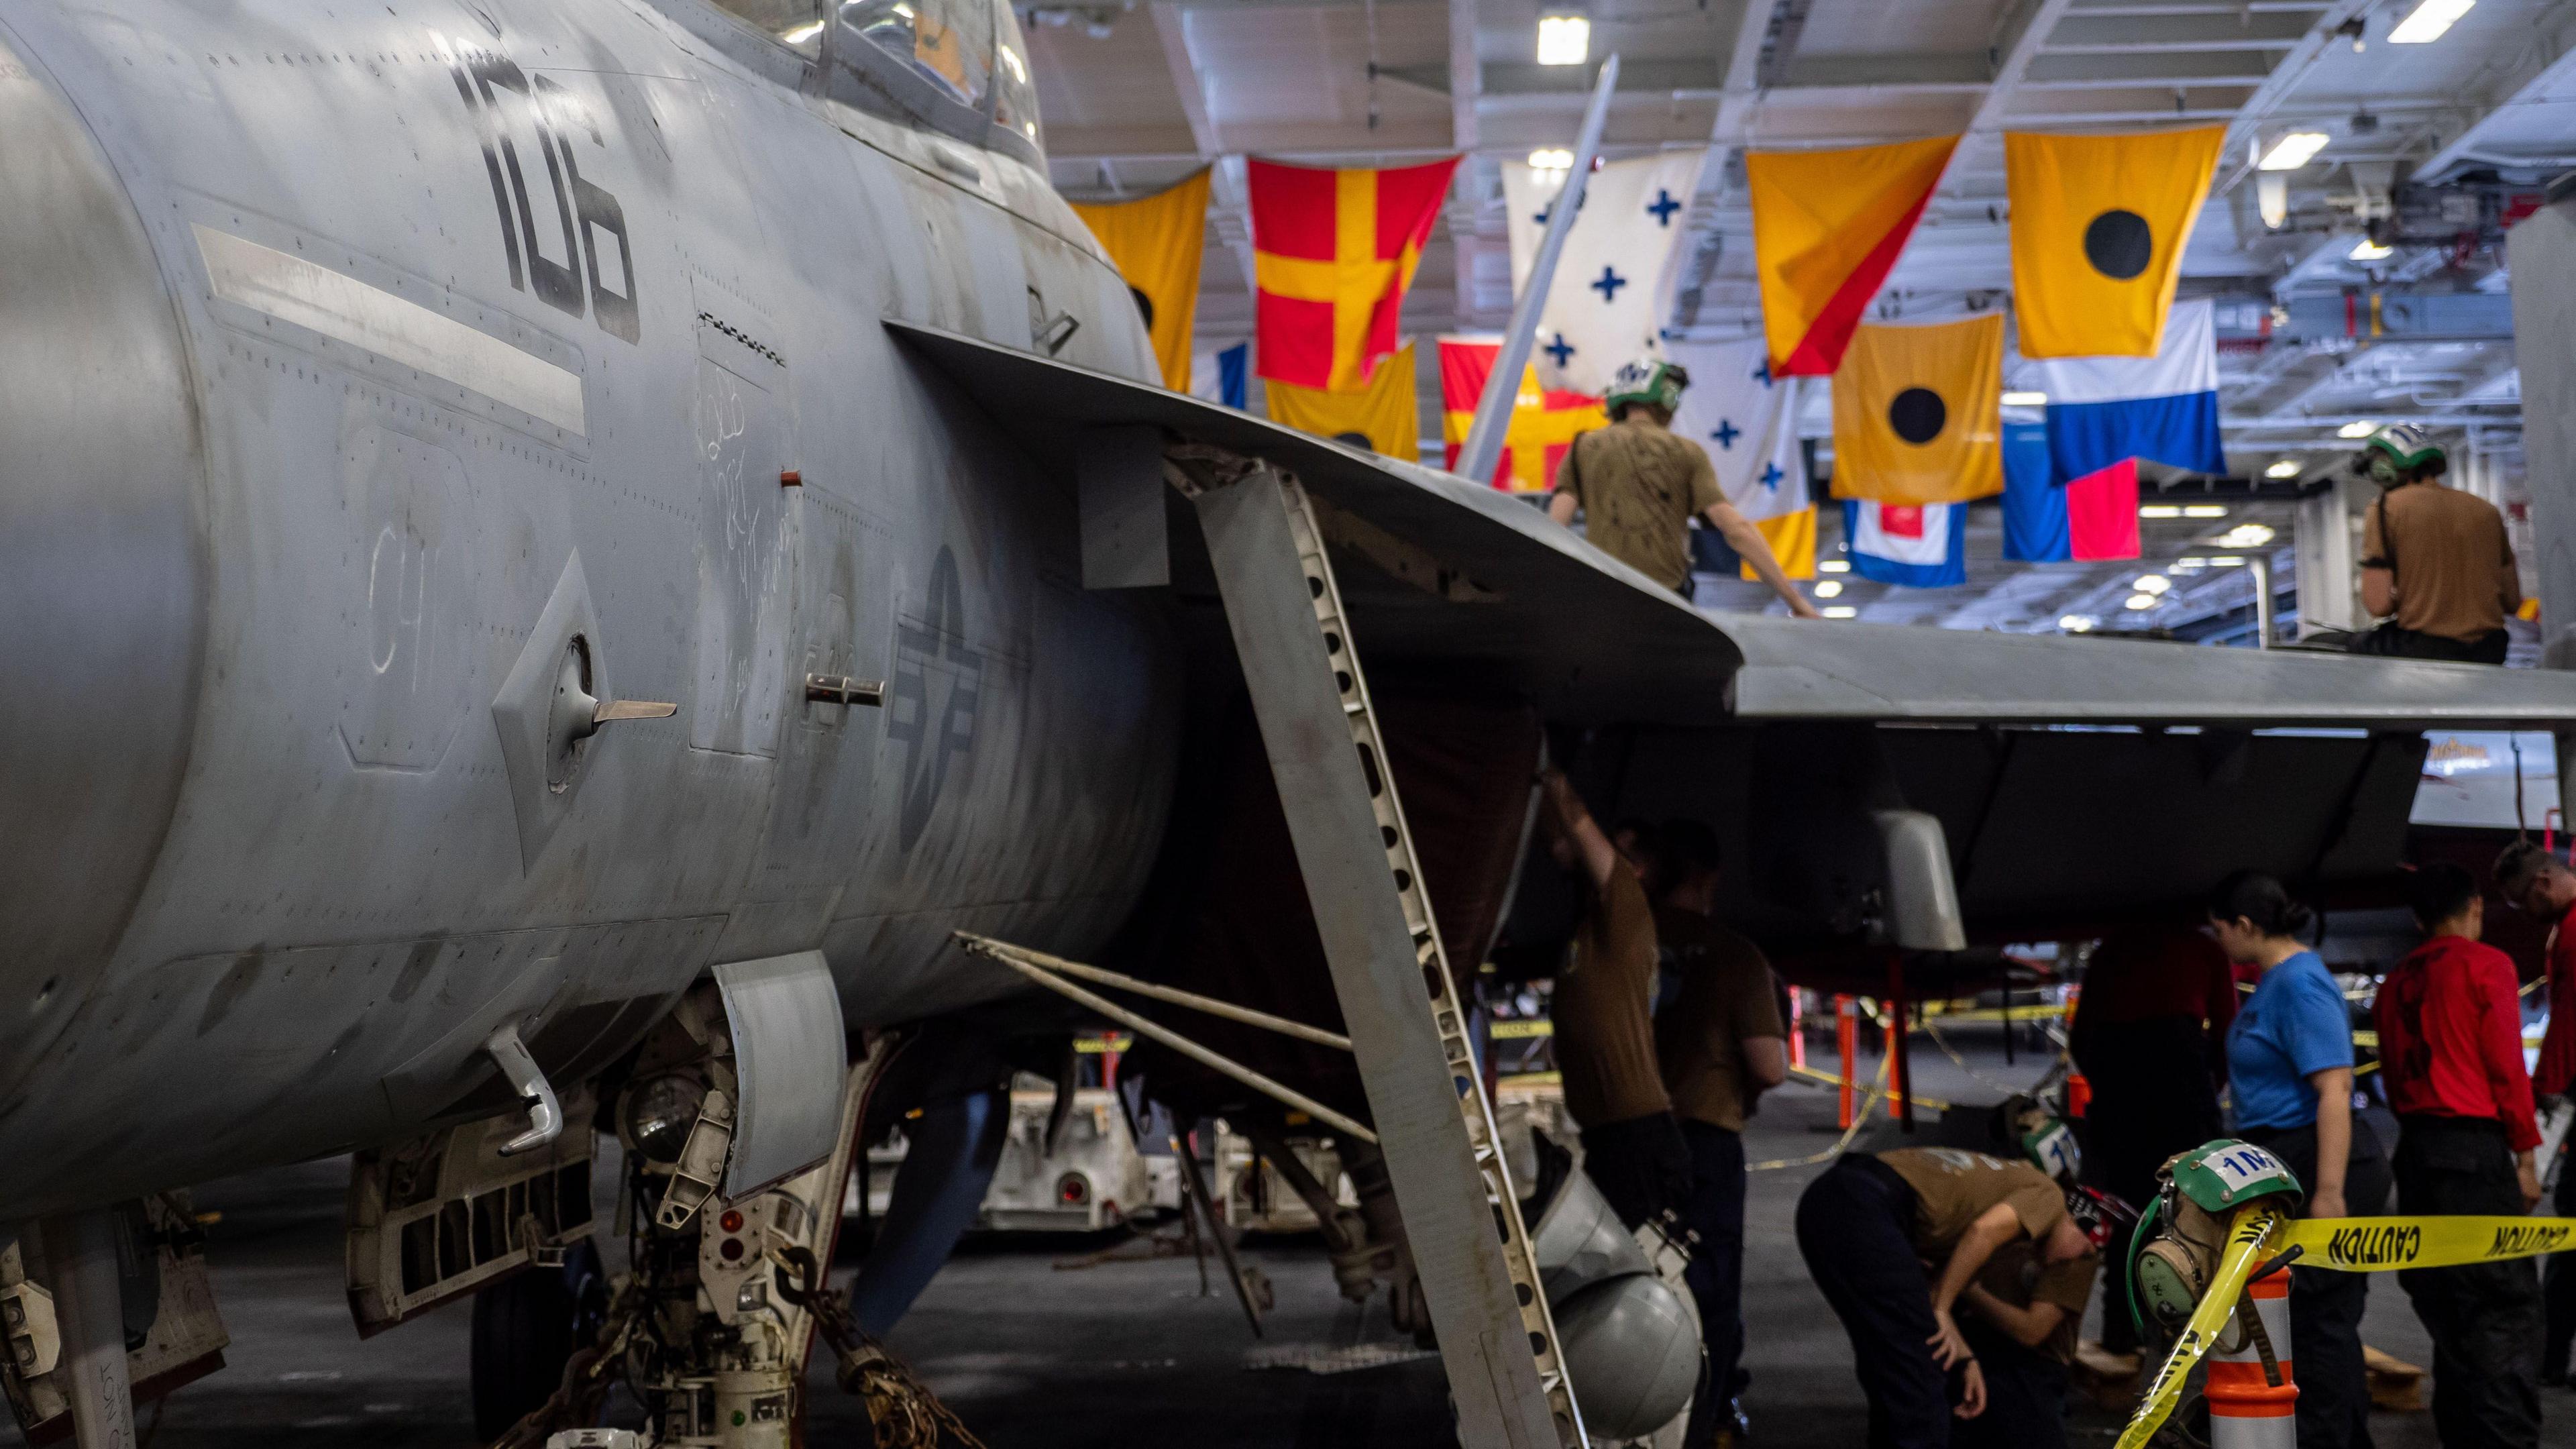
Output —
(335, 343)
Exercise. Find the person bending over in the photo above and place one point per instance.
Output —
(1869, 1226)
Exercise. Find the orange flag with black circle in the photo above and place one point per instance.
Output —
(2098, 228)
(1917, 414)
(1384, 416)
(1333, 252)
(1157, 241)
(1827, 228)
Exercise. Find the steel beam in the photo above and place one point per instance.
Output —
(1231, 204)
(2543, 62)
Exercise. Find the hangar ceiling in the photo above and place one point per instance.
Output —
(2430, 150)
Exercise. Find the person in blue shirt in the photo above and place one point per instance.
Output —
(2289, 1072)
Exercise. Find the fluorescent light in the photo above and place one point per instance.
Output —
(2294, 150)
(2152, 584)
(2285, 468)
(1563, 39)
(2358, 428)
(812, 28)
(2370, 251)
(1834, 566)
(1549, 158)
(2076, 623)
(1842, 611)
(1830, 589)
(2189, 562)
(2426, 22)
(2245, 535)
(2158, 510)
(2025, 399)
(2204, 510)
(2142, 601)
(2227, 561)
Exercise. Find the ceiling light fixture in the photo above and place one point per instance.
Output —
(2357, 428)
(2152, 583)
(2227, 561)
(2205, 510)
(1842, 611)
(1829, 589)
(2189, 562)
(2427, 22)
(2076, 623)
(2294, 150)
(1834, 566)
(2285, 468)
(2245, 535)
(1549, 158)
(1564, 38)
(2142, 601)
(2025, 399)
(2158, 510)
(2371, 251)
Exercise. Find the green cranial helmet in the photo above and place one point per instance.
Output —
(1650, 381)
(2397, 452)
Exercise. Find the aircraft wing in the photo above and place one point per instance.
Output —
(1480, 582)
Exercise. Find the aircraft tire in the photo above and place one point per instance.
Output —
(523, 1336)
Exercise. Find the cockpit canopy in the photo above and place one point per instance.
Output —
(966, 61)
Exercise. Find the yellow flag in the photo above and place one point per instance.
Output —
(1792, 537)
(1827, 226)
(1383, 416)
(2098, 228)
(1156, 242)
(1916, 415)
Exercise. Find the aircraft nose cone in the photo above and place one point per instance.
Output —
(101, 580)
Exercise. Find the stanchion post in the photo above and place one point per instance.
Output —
(1797, 1027)
(1847, 1040)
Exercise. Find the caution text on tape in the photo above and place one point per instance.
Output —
(2381, 1245)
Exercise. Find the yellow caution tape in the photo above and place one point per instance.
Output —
(2246, 1238)
(2381, 1245)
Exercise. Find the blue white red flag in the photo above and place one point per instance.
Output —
(2104, 410)
(2092, 518)
(1918, 545)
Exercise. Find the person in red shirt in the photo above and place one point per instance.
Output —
(2150, 1034)
(2542, 886)
(2450, 1050)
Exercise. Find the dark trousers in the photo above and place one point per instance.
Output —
(1641, 1165)
(2326, 1307)
(2485, 1318)
(2025, 1394)
(1855, 1229)
(2558, 1282)
(1716, 1274)
(2152, 1098)
(2388, 639)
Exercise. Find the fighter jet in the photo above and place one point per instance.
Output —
(555, 554)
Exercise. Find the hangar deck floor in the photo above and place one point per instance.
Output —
(1122, 1354)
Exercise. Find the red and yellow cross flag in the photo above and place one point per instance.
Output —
(1333, 254)
(1383, 417)
(1917, 413)
(1543, 424)
(1157, 241)
(1827, 227)
(2098, 228)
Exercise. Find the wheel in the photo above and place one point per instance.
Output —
(523, 1336)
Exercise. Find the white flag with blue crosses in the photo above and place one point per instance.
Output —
(1747, 422)
(1614, 280)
